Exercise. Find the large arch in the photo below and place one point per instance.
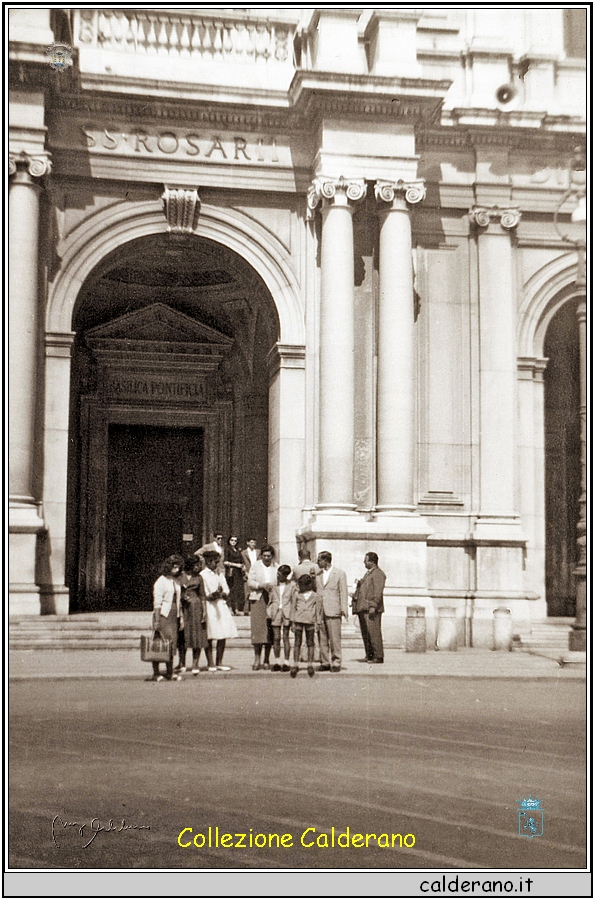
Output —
(546, 291)
(84, 249)
(93, 239)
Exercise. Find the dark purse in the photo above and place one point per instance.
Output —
(154, 649)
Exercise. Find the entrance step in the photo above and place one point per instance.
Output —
(107, 631)
(549, 637)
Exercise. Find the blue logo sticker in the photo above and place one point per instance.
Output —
(530, 817)
(59, 55)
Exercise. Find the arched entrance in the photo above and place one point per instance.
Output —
(562, 459)
(169, 412)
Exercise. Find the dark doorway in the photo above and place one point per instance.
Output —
(154, 508)
(562, 460)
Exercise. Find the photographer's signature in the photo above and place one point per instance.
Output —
(89, 830)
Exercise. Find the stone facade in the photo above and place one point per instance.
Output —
(326, 241)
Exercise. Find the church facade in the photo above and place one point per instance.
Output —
(310, 277)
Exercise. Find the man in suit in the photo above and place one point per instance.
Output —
(216, 545)
(331, 586)
(305, 566)
(249, 557)
(368, 605)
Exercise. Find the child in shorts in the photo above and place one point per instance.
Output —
(305, 616)
(278, 612)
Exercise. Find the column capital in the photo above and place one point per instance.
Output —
(335, 191)
(181, 206)
(411, 191)
(483, 216)
(34, 166)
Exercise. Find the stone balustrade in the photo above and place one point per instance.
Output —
(171, 34)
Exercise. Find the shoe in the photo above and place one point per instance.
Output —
(181, 669)
(196, 671)
(285, 668)
(176, 678)
(336, 669)
(255, 667)
(324, 668)
(276, 668)
(376, 661)
(311, 671)
(212, 669)
(294, 672)
(158, 678)
(224, 668)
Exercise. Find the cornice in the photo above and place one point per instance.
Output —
(468, 138)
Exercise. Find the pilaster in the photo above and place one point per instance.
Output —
(24, 519)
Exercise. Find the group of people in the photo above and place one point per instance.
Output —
(194, 604)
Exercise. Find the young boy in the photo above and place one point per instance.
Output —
(304, 616)
(278, 611)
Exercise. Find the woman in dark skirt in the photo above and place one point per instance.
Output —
(167, 610)
(195, 627)
(234, 575)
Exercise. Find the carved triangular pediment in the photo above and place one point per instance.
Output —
(157, 323)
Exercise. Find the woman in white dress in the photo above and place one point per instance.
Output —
(214, 590)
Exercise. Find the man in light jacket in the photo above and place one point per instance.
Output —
(331, 585)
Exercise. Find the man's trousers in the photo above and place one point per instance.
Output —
(371, 630)
(330, 641)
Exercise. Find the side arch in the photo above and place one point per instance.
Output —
(545, 293)
(108, 229)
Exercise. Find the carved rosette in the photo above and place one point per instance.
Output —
(35, 166)
(482, 216)
(330, 189)
(411, 191)
(181, 207)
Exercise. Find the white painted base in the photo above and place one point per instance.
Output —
(24, 600)
(55, 600)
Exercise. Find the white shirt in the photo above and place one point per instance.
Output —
(252, 555)
(284, 588)
(326, 575)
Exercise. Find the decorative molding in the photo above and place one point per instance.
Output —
(160, 324)
(181, 207)
(483, 216)
(37, 166)
(531, 368)
(412, 191)
(321, 189)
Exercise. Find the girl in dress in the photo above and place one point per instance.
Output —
(167, 612)
(213, 589)
(195, 615)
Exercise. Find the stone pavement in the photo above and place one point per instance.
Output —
(464, 663)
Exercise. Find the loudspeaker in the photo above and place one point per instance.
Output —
(506, 94)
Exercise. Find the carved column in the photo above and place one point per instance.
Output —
(336, 407)
(578, 636)
(497, 361)
(24, 522)
(395, 435)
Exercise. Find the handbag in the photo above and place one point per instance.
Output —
(154, 649)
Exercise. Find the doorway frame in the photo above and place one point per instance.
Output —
(97, 415)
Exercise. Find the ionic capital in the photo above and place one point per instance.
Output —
(482, 216)
(389, 191)
(34, 166)
(340, 191)
(181, 207)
